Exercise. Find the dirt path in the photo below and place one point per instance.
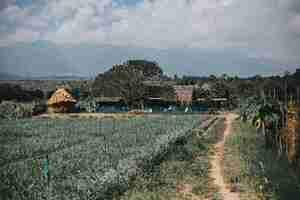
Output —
(216, 172)
(216, 163)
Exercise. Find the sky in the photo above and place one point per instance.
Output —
(242, 37)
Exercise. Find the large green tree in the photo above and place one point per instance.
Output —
(149, 69)
(127, 81)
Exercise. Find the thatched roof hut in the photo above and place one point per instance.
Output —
(61, 102)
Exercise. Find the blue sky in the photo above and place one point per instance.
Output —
(265, 31)
(24, 2)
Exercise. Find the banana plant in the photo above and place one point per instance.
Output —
(267, 119)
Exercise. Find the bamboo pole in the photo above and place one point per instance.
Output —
(298, 95)
(285, 101)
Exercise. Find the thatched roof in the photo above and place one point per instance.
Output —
(61, 95)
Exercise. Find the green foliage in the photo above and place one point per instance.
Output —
(123, 81)
(12, 92)
(267, 115)
(149, 69)
(88, 105)
(93, 165)
(187, 161)
(252, 167)
(254, 108)
(13, 110)
(127, 81)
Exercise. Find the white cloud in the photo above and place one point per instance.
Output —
(264, 27)
(294, 24)
(14, 14)
(20, 35)
(6, 3)
(78, 21)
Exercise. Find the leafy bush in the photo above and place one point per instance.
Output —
(88, 105)
(251, 168)
(13, 110)
(39, 108)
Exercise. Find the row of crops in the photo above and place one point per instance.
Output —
(82, 158)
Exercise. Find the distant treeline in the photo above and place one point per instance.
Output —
(17, 93)
(134, 80)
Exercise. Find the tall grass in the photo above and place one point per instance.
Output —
(256, 171)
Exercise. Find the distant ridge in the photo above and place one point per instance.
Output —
(7, 76)
(58, 77)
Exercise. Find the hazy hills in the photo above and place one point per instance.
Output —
(44, 59)
(7, 76)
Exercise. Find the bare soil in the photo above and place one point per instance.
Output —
(216, 172)
(225, 192)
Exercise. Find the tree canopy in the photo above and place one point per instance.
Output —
(149, 69)
(127, 81)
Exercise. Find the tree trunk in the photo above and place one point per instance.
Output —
(142, 105)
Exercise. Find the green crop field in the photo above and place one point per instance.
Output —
(81, 158)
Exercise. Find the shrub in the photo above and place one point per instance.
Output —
(39, 108)
(88, 105)
(13, 110)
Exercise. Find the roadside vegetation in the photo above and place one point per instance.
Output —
(257, 172)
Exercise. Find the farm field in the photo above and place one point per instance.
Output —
(78, 158)
(183, 173)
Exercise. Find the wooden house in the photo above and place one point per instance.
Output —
(184, 94)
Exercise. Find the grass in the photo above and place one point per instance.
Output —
(185, 165)
(86, 155)
(256, 172)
